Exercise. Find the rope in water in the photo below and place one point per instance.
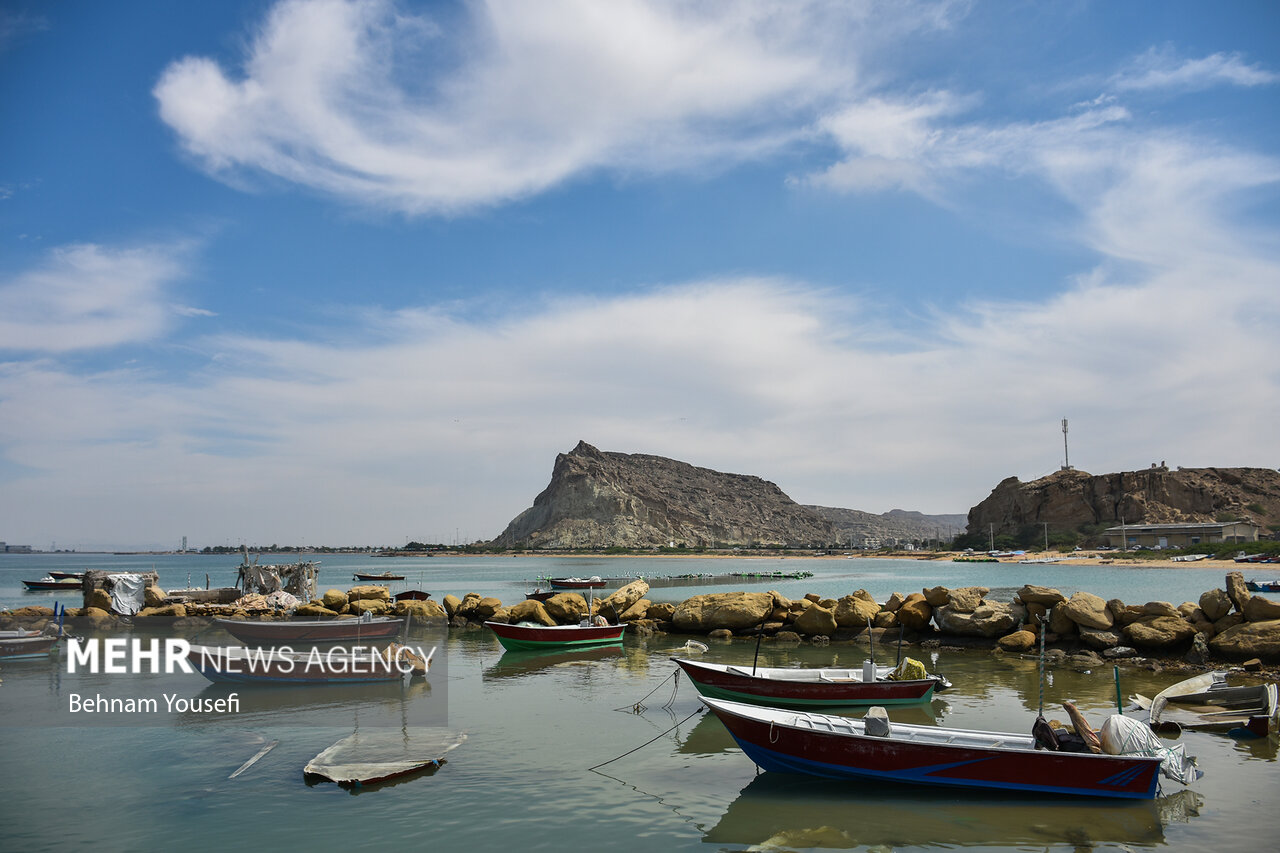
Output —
(649, 741)
(639, 706)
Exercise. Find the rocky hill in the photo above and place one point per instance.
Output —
(1158, 495)
(855, 528)
(598, 499)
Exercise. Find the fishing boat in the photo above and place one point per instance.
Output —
(380, 576)
(1207, 703)
(17, 644)
(48, 582)
(594, 582)
(317, 630)
(835, 747)
(240, 665)
(807, 688)
(539, 594)
(64, 575)
(411, 595)
(526, 637)
(1263, 586)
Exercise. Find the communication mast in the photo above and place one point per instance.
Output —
(1066, 457)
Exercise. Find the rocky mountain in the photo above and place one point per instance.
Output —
(601, 499)
(1158, 495)
(855, 528)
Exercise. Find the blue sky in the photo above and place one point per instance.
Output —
(333, 272)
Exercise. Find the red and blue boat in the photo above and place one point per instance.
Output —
(835, 747)
(526, 637)
(807, 688)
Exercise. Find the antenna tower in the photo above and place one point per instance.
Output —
(1066, 457)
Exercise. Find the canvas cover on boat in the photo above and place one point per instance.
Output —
(371, 756)
(1126, 736)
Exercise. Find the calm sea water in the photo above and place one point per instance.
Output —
(537, 724)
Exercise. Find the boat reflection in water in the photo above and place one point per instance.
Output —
(514, 664)
(777, 811)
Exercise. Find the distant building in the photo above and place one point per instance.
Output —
(1180, 535)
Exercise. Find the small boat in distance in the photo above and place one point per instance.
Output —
(527, 637)
(310, 631)
(807, 688)
(539, 594)
(1262, 586)
(381, 576)
(48, 582)
(411, 595)
(593, 582)
(58, 576)
(835, 747)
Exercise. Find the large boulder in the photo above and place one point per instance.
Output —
(1018, 641)
(334, 599)
(368, 592)
(661, 612)
(1215, 603)
(566, 608)
(375, 606)
(937, 596)
(637, 611)
(314, 611)
(153, 596)
(1043, 595)
(1087, 610)
(732, 610)
(915, 612)
(451, 604)
(477, 608)
(617, 603)
(165, 615)
(1249, 640)
(854, 611)
(1159, 632)
(1061, 623)
(1161, 608)
(1259, 609)
(967, 599)
(1237, 591)
(421, 612)
(99, 599)
(816, 621)
(530, 611)
(95, 619)
(1099, 640)
(992, 619)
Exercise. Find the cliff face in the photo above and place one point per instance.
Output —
(1068, 499)
(598, 499)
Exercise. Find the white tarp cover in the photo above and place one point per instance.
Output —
(127, 593)
(1126, 736)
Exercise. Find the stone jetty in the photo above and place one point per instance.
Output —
(1229, 624)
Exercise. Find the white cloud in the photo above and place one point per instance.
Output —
(1163, 69)
(373, 105)
(88, 297)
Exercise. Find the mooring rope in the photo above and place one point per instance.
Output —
(639, 707)
(649, 741)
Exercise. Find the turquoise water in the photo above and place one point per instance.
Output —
(536, 724)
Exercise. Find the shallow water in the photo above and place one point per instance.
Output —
(536, 724)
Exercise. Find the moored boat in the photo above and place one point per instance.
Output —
(49, 582)
(380, 576)
(807, 688)
(65, 575)
(551, 637)
(305, 631)
(835, 747)
(594, 582)
(1207, 703)
(17, 643)
(1262, 586)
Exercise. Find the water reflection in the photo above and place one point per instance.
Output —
(516, 664)
(784, 811)
(373, 704)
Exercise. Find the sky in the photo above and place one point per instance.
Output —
(337, 273)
